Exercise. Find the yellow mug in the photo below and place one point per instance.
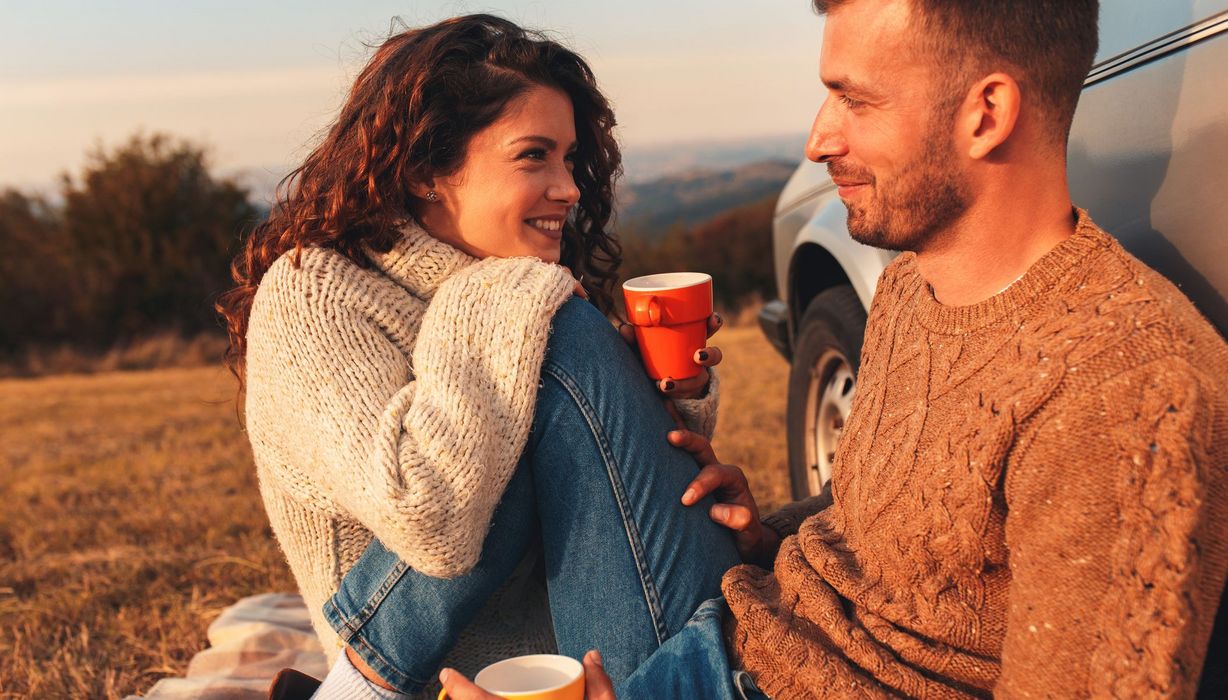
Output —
(533, 677)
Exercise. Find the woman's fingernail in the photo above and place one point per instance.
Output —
(443, 675)
(688, 496)
(596, 657)
(668, 385)
(703, 355)
(720, 512)
(719, 321)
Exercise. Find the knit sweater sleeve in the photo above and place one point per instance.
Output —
(699, 415)
(788, 519)
(420, 454)
(1112, 591)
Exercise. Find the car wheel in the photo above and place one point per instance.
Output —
(822, 381)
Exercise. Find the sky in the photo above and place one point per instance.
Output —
(255, 81)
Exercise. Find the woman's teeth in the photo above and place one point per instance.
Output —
(546, 224)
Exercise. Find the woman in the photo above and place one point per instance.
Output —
(426, 399)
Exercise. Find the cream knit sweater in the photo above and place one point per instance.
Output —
(395, 402)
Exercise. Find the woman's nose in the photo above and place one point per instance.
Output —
(564, 189)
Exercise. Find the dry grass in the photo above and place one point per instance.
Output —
(131, 517)
(157, 351)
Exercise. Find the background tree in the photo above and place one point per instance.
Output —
(151, 234)
(36, 280)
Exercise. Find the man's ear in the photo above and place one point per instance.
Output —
(989, 114)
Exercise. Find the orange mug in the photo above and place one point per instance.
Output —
(533, 677)
(670, 313)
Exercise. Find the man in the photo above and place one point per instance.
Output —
(1030, 497)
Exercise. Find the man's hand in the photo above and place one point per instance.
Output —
(597, 685)
(694, 387)
(735, 506)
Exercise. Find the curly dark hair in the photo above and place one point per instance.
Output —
(409, 117)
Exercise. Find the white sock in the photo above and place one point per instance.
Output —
(344, 682)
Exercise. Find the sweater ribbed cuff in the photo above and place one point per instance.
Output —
(700, 414)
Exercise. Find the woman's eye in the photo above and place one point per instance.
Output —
(534, 154)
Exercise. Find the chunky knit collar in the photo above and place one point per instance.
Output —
(1040, 279)
(418, 261)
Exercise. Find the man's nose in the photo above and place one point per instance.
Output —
(826, 140)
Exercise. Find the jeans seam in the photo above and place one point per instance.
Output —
(651, 597)
(349, 629)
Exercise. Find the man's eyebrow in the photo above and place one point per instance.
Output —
(546, 141)
(846, 84)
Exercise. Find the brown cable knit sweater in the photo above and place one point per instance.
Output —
(1030, 498)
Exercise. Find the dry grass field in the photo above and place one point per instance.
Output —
(130, 515)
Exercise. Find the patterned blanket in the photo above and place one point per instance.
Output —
(248, 644)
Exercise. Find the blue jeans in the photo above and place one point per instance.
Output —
(626, 563)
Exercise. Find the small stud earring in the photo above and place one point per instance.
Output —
(432, 196)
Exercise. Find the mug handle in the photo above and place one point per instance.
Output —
(647, 306)
(443, 694)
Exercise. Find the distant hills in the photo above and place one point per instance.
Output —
(649, 210)
(644, 163)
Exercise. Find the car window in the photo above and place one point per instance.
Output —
(1128, 24)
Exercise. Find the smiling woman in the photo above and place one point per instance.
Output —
(516, 183)
(429, 395)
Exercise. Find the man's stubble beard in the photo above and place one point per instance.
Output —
(918, 205)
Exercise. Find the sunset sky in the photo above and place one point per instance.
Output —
(256, 80)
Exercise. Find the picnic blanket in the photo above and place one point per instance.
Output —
(248, 644)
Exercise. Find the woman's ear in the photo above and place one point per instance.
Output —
(424, 190)
(989, 114)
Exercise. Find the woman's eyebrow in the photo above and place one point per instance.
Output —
(546, 141)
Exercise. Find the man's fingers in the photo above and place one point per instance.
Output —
(597, 685)
(734, 517)
(694, 443)
(708, 357)
(709, 479)
(714, 324)
(460, 688)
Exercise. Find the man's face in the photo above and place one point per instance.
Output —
(887, 141)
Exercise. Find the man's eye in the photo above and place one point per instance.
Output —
(850, 102)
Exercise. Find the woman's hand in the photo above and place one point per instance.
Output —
(597, 685)
(735, 506)
(694, 387)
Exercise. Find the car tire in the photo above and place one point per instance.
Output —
(822, 381)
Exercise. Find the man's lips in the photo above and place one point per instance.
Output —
(848, 188)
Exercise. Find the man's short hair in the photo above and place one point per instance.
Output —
(1046, 45)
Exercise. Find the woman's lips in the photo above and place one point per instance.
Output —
(550, 228)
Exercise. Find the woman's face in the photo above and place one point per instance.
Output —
(515, 188)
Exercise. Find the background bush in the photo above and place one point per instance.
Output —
(139, 244)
